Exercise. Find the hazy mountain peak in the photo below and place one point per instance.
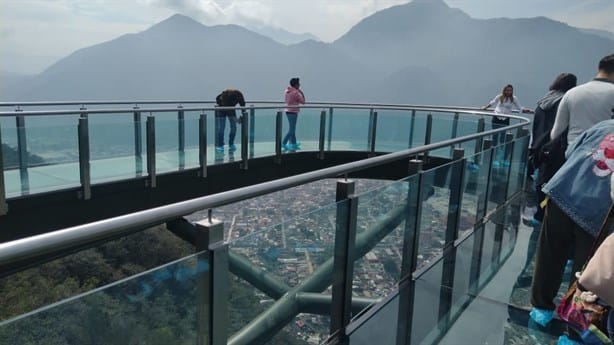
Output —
(431, 2)
(177, 22)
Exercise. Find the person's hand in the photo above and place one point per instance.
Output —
(528, 110)
(484, 107)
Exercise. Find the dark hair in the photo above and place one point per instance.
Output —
(502, 98)
(607, 64)
(564, 82)
(294, 82)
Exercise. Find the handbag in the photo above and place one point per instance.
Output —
(598, 276)
(586, 314)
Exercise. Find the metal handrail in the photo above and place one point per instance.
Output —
(312, 105)
(18, 252)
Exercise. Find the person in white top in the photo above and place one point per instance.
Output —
(504, 103)
(587, 104)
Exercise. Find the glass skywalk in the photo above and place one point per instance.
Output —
(399, 262)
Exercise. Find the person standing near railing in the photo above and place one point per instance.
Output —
(294, 97)
(587, 104)
(547, 156)
(504, 103)
(578, 202)
(228, 98)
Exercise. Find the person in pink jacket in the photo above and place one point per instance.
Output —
(294, 97)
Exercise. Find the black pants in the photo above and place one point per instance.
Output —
(499, 138)
(559, 235)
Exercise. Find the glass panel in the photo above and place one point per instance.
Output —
(379, 240)
(52, 154)
(419, 129)
(462, 274)
(8, 134)
(442, 130)
(392, 129)
(192, 123)
(474, 186)
(52, 138)
(293, 249)
(112, 147)
(381, 327)
(519, 165)
(493, 251)
(9, 142)
(350, 130)
(167, 142)
(498, 178)
(157, 307)
(307, 129)
(303, 329)
(436, 199)
(467, 124)
(264, 131)
(290, 253)
(426, 305)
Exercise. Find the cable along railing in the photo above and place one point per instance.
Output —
(328, 290)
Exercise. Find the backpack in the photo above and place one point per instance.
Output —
(548, 155)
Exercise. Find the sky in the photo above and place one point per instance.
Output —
(34, 34)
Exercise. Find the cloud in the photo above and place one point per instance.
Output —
(588, 14)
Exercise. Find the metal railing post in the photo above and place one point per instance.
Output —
(411, 237)
(454, 133)
(412, 123)
(373, 133)
(181, 136)
(452, 227)
(322, 134)
(22, 149)
(215, 127)
(252, 131)
(478, 237)
(3, 205)
(488, 156)
(509, 157)
(151, 151)
(427, 136)
(330, 128)
(278, 129)
(523, 133)
(370, 132)
(244, 140)
(343, 262)
(138, 142)
(84, 158)
(480, 141)
(202, 144)
(212, 284)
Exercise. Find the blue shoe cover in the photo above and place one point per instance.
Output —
(541, 316)
(564, 340)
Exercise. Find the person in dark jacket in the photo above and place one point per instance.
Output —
(547, 155)
(228, 98)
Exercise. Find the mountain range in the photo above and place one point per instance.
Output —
(422, 52)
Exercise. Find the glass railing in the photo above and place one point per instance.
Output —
(476, 259)
(160, 306)
(44, 149)
(402, 259)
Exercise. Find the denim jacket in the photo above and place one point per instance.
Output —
(581, 188)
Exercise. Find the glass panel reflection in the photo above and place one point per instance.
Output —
(379, 241)
(157, 307)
